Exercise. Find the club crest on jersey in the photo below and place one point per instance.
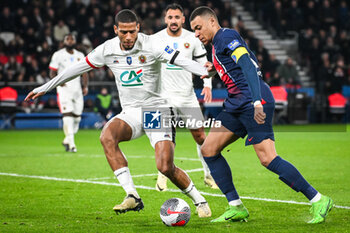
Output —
(142, 59)
(176, 45)
(234, 44)
(187, 45)
(129, 60)
(78, 59)
(168, 49)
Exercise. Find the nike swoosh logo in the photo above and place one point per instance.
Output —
(249, 139)
(323, 215)
(230, 217)
(160, 189)
(174, 212)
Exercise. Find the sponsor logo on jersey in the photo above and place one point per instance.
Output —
(152, 119)
(168, 49)
(187, 45)
(129, 60)
(176, 45)
(142, 59)
(233, 45)
(131, 78)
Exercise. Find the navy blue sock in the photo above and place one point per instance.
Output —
(221, 172)
(291, 176)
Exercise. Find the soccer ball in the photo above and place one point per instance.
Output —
(175, 212)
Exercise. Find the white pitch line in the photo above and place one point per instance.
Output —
(151, 188)
(142, 175)
(152, 157)
(102, 156)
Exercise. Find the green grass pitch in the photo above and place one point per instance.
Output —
(44, 189)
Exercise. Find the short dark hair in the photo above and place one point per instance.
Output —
(126, 16)
(174, 6)
(201, 11)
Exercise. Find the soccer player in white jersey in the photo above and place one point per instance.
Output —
(135, 60)
(69, 95)
(177, 86)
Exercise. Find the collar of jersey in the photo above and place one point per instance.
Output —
(113, 47)
(217, 35)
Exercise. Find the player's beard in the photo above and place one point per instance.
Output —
(128, 46)
(70, 47)
(176, 30)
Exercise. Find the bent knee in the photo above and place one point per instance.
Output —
(166, 169)
(264, 159)
(209, 150)
(107, 141)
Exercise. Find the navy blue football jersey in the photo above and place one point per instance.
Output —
(225, 42)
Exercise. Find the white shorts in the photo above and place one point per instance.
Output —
(187, 108)
(71, 103)
(140, 119)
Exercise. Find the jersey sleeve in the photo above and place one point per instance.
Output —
(54, 63)
(162, 51)
(199, 51)
(95, 58)
(234, 47)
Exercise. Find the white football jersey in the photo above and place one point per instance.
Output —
(61, 60)
(174, 79)
(136, 71)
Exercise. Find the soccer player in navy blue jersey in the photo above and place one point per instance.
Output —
(248, 110)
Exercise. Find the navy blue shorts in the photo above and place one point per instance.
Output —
(243, 123)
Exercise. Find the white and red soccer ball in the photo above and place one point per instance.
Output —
(175, 212)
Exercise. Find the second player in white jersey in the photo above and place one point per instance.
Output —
(175, 80)
(177, 85)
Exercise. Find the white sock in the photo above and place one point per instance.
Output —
(65, 140)
(236, 202)
(76, 124)
(316, 198)
(125, 180)
(204, 164)
(192, 192)
(68, 128)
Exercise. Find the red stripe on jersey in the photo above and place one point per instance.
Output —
(231, 86)
(89, 63)
(52, 68)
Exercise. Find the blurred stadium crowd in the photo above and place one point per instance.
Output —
(31, 31)
(324, 39)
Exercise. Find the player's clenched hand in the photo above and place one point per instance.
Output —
(259, 115)
(33, 96)
(210, 68)
(207, 94)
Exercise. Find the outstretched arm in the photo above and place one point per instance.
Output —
(63, 77)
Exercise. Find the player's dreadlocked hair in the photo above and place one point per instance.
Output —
(203, 11)
(126, 16)
(174, 6)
